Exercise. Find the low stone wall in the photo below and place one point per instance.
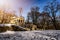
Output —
(30, 35)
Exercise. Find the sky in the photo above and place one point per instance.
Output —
(24, 4)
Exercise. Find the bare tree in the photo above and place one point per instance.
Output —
(34, 14)
(5, 17)
(52, 8)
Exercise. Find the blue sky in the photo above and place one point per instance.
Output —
(24, 4)
(31, 3)
(27, 4)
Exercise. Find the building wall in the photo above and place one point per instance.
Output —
(17, 20)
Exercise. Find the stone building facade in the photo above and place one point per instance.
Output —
(18, 21)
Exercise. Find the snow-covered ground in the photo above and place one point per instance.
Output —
(31, 35)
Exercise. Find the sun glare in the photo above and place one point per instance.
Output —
(2, 2)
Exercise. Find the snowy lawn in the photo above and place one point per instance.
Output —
(31, 35)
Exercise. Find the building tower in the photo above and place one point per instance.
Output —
(20, 10)
(21, 18)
